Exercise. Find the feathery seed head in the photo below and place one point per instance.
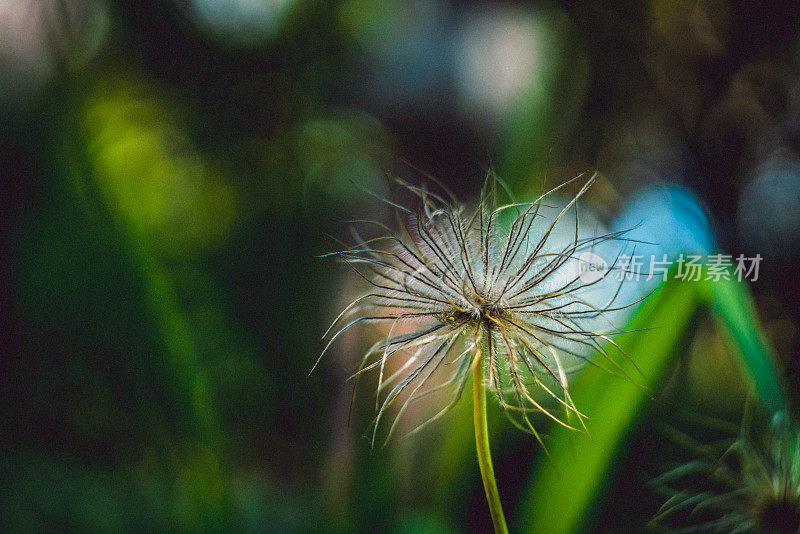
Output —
(504, 287)
(751, 486)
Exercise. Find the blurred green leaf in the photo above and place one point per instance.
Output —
(733, 307)
(547, 111)
(562, 492)
(420, 523)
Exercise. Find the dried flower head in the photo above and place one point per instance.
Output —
(751, 486)
(503, 287)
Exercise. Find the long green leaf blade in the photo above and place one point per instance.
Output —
(562, 492)
(733, 307)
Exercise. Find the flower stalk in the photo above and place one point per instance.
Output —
(482, 445)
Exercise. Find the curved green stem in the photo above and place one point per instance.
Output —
(482, 443)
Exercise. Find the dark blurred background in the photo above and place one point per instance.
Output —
(171, 169)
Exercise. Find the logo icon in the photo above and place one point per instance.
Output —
(591, 267)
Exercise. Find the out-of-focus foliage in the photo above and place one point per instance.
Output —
(148, 172)
(573, 479)
(171, 171)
